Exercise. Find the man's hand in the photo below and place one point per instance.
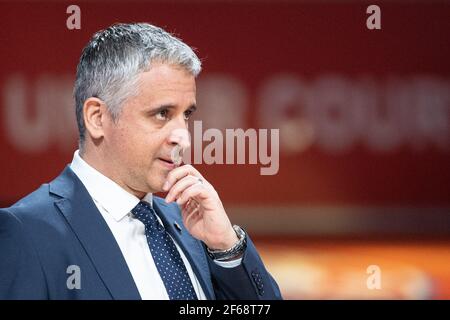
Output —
(202, 211)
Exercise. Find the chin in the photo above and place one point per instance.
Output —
(156, 177)
(155, 186)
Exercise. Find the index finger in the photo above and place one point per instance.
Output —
(179, 173)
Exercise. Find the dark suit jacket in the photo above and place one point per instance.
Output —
(58, 225)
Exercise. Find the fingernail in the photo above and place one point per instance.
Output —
(166, 186)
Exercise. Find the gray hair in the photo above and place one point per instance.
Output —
(113, 59)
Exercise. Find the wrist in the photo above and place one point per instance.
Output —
(231, 253)
(226, 242)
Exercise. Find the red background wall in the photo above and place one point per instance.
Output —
(253, 42)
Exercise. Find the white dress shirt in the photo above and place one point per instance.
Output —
(115, 205)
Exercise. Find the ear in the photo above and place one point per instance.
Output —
(94, 115)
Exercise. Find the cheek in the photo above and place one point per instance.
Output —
(127, 146)
(143, 147)
(139, 145)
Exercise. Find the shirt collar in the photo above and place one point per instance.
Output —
(112, 197)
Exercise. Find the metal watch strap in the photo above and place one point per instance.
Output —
(234, 251)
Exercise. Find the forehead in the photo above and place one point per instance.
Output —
(166, 79)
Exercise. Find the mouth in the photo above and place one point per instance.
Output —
(167, 163)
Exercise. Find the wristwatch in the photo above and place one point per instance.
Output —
(234, 251)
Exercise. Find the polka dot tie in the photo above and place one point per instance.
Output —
(165, 254)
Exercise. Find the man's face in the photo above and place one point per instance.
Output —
(138, 145)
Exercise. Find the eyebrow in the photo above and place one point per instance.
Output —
(192, 107)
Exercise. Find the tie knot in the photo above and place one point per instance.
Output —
(145, 213)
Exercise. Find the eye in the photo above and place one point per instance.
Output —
(188, 114)
(162, 115)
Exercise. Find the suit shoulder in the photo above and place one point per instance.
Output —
(33, 205)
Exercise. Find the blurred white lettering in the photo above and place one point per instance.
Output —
(331, 113)
(39, 114)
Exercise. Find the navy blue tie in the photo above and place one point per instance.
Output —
(165, 254)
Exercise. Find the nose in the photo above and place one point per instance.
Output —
(180, 140)
(180, 137)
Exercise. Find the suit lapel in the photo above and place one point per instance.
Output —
(191, 247)
(94, 234)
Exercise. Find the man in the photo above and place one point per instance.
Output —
(97, 231)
